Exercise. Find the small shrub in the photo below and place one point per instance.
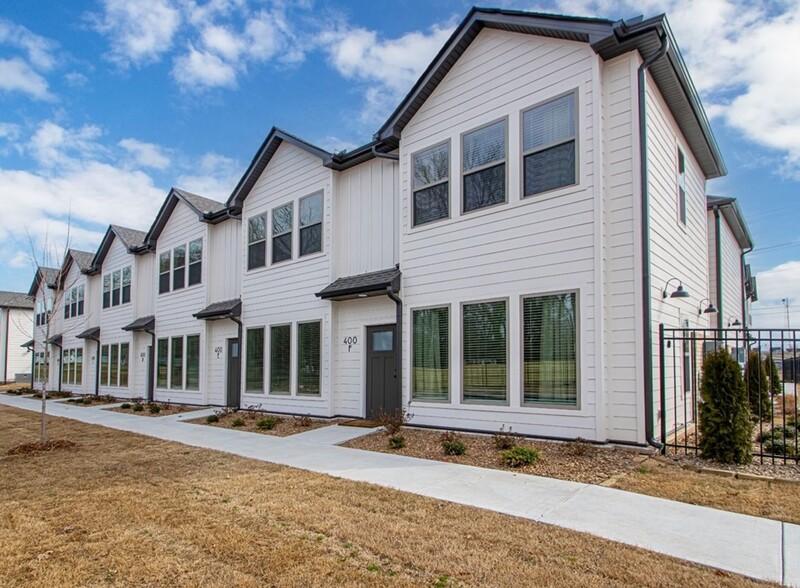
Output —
(87, 401)
(137, 408)
(520, 456)
(212, 418)
(755, 377)
(397, 442)
(505, 439)
(166, 405)
(267, 423)
(725, 428)
(153, 408)
(779, 445)
(775, 384)
(303, 420)
(579, 447)
(125, 406)
(137, 400)
(238, 422)
(393, 420)
(452, 444)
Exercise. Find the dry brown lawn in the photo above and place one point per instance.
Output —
(125, 510)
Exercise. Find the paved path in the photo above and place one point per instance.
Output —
(752, 546)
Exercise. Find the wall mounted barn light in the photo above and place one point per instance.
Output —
(710, 309)
(680, 292)
(734, 322)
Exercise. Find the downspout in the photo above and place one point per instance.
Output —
(151, 366)
(646, 277)
(239, 378)
(398, 347)
(391, 156)
(5, 347)
(718, 256)
(744, 290)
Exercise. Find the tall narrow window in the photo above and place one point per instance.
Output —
(282, 233)
(113, 364)
(431, 184)
(280, 359)
(257, 242)
(126, 284)
(254, 363)
(195, 261)
(163, 272)
(311, 224)
(484, 166)
(176, 363)
(115, 287)
(73, 302)
(549, 145)
(162, 359)
(681, 187)
(80, 300)
(79, 367)
(178, 267)
(193, 362)
(65, 367)
(67, 306)
(430, 377)
(104, 365)
(309, 358)
(106, 290)
(485, 376)
(549, 349)
(123, 364)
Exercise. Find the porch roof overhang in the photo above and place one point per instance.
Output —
(362, 285)
(28, 344)
(90, 333)
(221, 310)
(145, 323)
(55, 339)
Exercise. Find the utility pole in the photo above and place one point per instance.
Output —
(786, 306)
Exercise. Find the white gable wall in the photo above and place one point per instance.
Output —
(16, 327)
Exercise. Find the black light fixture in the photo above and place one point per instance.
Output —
(710, 309)
(680, 292)
(734, 322)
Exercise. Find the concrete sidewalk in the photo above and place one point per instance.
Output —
(751, 546)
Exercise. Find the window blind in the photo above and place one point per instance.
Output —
(431, 354)
(308, 358)
(254, 362)
(280, 359)
(485, 369)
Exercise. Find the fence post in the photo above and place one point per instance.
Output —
(663, 383)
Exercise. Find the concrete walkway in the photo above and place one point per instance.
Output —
(751, 546)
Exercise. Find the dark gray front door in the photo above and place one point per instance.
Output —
(382, 392)
(234, 373)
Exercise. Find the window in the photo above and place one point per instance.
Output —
(280, 359)
(123, 364)
(113, 365)
(549, 349)
(65, 366)
(42, 371)
(282, 233)
(485, 376)
(195, 261)
(308, 358)
(687, 366)
(67, 305)
(106, 290)
(192, 358)
(126, 284)
(257, 242)
(484, 166)
(163, 272)
(162, 359)
(115, 287)
(80, 301)
(430, 376)
(78, 371)
(178, 267)
(431, 185)
(681, 187)
(549, 145)
(176, 363)
(254, 362)
(103, 365)
(311, 224)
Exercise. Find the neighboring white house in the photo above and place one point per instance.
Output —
(501, 254)
(16, 330)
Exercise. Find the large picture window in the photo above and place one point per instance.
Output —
(430, 377)
(549, 145)
(484, 166)
(280, 339)
(310, 218)
(431, 184)
(254, 361)
(485, 346)
(282, 233)
(550, 345)
(193, 362)
(257, 242)
(113, 365)
(195, 261)
(308, 358)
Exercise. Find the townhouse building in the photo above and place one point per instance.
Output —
(16, 329)
(502, 252)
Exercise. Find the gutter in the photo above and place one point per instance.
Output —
(239, 378)
(398, 347)
(151, 366)
(718, 256)
(390, 156)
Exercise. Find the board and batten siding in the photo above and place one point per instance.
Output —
(174, 309)
(224, 261)
(366, 218)
(537, 245)
(283, 293)
(145, 289)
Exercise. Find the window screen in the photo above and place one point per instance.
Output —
(126, 284)
(163, 272)
(485, 376)
(195, 261)
(431, 354)
(308, 358)
(179, 267)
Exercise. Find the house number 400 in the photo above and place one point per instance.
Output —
(350, 341)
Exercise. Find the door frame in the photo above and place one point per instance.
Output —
(365, 363)
(237, 389)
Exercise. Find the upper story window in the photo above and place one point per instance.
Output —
(73, 302)
(179, 267)
(163, 272)
(431, 184)
(484, 166)
(195, 261)
(681, 187)
(310, 224)
(172, 266)
(117, 287)
(43, 311)
(549, 145)
(282, 233)
(257, 242)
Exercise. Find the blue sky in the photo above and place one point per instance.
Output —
(106, 104)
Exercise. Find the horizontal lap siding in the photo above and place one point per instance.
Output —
(20, 327)
(284, 292)
(541, 244)
(113, 318)
(218, 333)
(712, 263)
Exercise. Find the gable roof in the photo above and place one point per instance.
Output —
(15, 300)
(207, 211)
(734, 217)
(608, 39)
(131, 239)
(83, 259)
(48, 275)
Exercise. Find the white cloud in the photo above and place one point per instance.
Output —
(146, 154)
(199, 69)
(53, 145)
(16, 75)
(214, 176)
(39, 49)
(76, 79)
(774, 285)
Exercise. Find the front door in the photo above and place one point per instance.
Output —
(234, 373)
(382, 390)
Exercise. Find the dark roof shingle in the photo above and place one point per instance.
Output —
(226, 308)
(369, 283)
(15, 300)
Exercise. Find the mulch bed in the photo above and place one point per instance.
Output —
(53, 395)
(26, 448)
(576, 461)
(165, 409)
(91, 400)
(287, 425)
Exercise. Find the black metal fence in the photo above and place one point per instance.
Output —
(775, 416)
